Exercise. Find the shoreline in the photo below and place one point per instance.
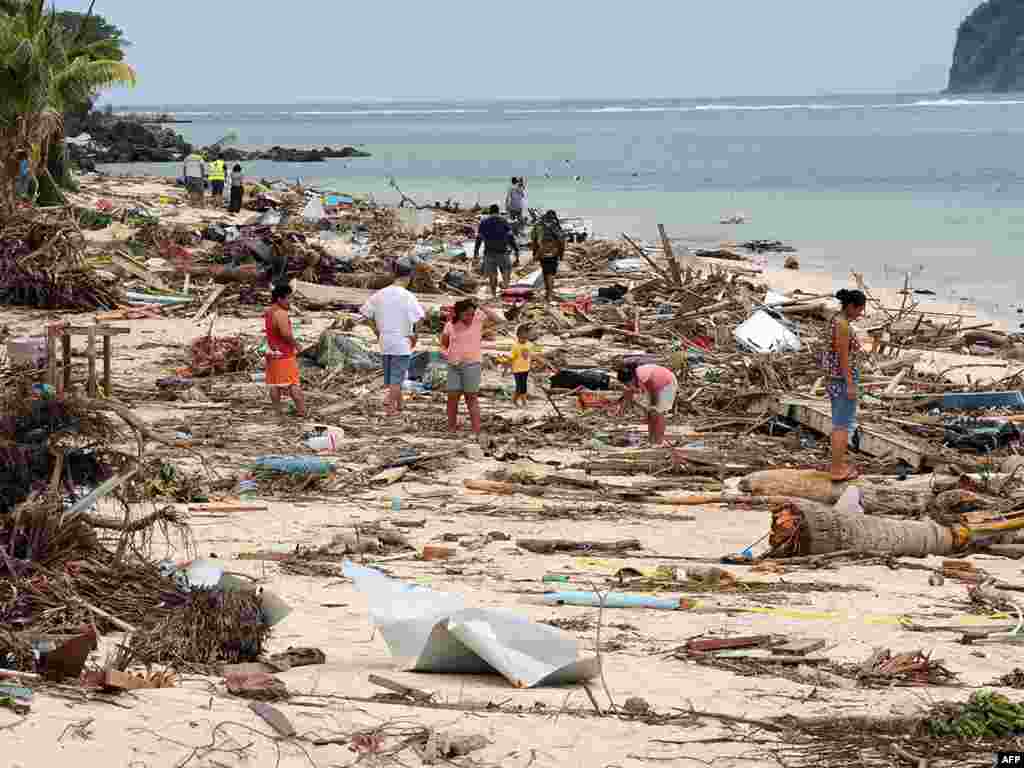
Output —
(815, 260)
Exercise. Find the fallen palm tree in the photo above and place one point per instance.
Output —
(803, 527)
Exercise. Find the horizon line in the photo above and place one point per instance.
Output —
(551, 100)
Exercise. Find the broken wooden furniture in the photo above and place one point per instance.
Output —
(59, 377)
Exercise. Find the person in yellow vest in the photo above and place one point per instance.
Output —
(217, 174)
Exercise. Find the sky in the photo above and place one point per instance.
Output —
(234, 52)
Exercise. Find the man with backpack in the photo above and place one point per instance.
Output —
(548, 242)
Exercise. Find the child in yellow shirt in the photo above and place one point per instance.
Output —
(520, 360)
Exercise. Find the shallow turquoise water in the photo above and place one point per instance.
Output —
(878, 184)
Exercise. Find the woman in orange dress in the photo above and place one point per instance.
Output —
(282, 365)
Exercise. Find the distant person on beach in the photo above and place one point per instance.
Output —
(515, 201)
(393, 313)
(548, 242)
(659, 386)
(217, 175)
(461, 342)
(195, 178)
(236, 189)
(841, 364)
(282, 365)
(497, 237)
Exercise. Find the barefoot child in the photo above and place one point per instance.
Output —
(520, 360)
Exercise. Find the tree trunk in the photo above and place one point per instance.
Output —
(824, 529)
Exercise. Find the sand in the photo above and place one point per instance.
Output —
(551, 727)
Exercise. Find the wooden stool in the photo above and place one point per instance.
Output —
(64, 332)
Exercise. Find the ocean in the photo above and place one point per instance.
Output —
(883, 185)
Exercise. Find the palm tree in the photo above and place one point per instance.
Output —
(43, 70)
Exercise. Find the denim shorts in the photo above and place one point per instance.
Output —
(395, 368)
(844, 410)
(464, 377)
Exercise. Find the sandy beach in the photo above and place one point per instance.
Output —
(853, 607)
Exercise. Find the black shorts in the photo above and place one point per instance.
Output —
(521, 379)
(217, 187)
(549, 266)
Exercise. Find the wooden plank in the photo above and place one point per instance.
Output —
(704, 645)
(404, 690)
(799, 647)
(215, 507)
(66, 381)
(90, 356)
(768, 657)
(107, 359)
(210, 301)
(818, 416)
(891, 389)
(648, 259)
(134, 268)
(673, 265)
(51, 360)
(98, 330)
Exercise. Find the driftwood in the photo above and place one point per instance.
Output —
(550, 546)
(605, 492)
(920, 496)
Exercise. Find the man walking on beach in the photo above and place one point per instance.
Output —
(282, 365)
(393, 313)
(195, 178)
(515, 202)
(548, 242)
(496, 236)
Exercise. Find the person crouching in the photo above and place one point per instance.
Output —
(659, 387)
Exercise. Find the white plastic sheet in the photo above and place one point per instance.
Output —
(433, 631)
(763, 333)
(314, 210)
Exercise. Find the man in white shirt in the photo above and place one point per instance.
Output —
(393, 313)
(195, 178)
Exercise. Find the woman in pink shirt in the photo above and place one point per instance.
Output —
(460, 343)
(659, 385)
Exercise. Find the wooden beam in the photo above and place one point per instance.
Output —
(99, 330)
(210, 301)
(135, 269)
(817, 415)
(648, 259)
(66, 380)
(673, 265)
(90, 355)
(51, 358)
(107, 359)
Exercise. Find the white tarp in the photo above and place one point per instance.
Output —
(763, 333)
(433, 631)
(314, 210)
